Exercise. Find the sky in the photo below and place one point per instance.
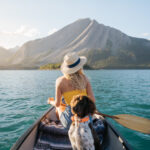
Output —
(25, 20)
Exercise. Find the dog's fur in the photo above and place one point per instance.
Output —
(81, 134)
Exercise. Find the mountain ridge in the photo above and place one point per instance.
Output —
(104, 47)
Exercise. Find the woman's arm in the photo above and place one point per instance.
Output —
(89, 91)
(58, 94)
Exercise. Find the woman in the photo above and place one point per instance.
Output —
(72, 83)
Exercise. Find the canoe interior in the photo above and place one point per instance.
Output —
(112, 140)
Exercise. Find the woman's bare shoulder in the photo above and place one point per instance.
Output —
(60, 80)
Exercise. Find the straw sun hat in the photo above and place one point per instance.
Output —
(72, 63)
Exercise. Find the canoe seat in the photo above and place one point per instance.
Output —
(53, 136)
(54, 128)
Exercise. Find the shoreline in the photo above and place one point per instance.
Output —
(84, 69)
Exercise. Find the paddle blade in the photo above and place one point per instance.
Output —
(134, 122)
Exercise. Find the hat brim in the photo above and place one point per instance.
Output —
(66, 70)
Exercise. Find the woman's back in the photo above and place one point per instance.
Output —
(68, 90)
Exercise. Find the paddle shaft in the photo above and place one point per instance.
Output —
(105, 115)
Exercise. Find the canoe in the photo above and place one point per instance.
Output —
(59, 140)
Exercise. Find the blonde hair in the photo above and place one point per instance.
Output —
(78, 79)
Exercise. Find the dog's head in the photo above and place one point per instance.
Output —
(82, 106)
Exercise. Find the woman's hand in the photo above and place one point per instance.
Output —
(50, 100)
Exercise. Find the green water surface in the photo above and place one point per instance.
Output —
(23, 96)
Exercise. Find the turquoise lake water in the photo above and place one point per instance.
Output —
(23, 96)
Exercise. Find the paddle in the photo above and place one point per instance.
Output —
(130, 121)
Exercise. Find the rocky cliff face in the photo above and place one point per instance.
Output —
(104, 46)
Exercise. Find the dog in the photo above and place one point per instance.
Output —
(81, 133)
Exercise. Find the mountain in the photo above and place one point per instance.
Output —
(5, 55)
(14, 49)
(105, 47)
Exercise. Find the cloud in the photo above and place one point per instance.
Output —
(52, 31)
(22, 31)
(19, 36)
(146, 34)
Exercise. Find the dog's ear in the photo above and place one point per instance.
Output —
(91, 106)
(75, 109)
(74, 103)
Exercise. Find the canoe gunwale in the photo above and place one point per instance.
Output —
(117, 133)
(19, 142)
